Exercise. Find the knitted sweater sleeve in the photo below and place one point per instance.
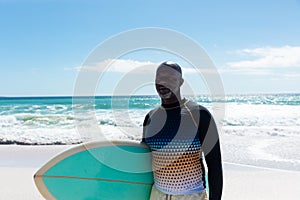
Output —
(209, 139)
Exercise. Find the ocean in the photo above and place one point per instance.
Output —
(261, 129)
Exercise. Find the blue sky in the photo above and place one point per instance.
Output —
(255, 45)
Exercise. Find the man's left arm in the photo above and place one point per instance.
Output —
(211, 148)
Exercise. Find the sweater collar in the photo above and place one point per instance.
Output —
(174, 105)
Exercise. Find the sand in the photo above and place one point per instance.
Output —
(241, 182)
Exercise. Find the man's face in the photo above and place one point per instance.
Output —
(167, 82)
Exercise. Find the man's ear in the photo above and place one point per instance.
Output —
(181, 81)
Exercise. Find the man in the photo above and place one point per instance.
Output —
(178, 133)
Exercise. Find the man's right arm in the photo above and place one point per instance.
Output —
(144, 128)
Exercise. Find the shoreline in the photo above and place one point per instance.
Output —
(15, 155)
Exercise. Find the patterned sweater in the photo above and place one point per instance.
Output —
(175, 134)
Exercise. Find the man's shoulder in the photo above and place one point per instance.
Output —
(195, 106)
(153, 110)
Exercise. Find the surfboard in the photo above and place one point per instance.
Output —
(98, 170)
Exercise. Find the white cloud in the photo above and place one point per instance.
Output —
(294, 76)
(268, 57)
(199, 70)
(132, 66)
(121, 66)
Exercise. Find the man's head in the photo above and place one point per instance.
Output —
(168, 81)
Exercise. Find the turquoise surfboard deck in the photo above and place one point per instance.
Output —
(98, 170)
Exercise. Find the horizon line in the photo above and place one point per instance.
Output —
(138, 95)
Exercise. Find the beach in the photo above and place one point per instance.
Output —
(241, 182)
(17, 167)
(74, 72)
(259, 137)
